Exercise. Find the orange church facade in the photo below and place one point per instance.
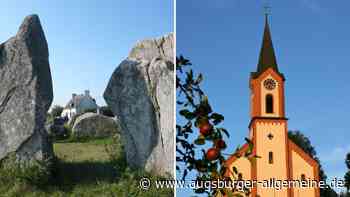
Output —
(279, 158)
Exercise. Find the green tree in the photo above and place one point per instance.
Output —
(347, 175)
(347, 161)
(304, 143)
(197, 120)
(56, 111)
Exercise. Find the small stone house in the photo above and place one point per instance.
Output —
(79, 104)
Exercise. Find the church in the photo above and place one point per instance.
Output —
(279, 158)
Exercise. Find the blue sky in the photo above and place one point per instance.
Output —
(88, 39)
(311, 38)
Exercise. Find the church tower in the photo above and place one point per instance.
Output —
(268, 125)
(278, 157)
(267, 83)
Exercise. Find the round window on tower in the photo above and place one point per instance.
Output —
(270, 84)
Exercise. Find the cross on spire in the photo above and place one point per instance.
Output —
(267, 10)
(267, 58)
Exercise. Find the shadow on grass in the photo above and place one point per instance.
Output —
(68, 174)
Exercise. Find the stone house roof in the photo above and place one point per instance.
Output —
(76, 100)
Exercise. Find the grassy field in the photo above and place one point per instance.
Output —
(85, 169)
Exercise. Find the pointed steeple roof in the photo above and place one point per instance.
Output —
(267, 58)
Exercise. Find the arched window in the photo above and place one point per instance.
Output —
(269, 103)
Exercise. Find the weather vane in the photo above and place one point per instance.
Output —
(267, 9)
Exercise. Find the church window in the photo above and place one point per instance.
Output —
(270, 157)
(269, 103)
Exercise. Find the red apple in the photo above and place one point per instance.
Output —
(220, 144)
(205, 129)
(212, 154)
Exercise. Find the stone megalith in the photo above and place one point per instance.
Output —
(92, 125)
(25, 93)
(141, 94)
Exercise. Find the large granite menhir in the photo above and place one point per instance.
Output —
(25, 93)
(141, 94)
(92, 125)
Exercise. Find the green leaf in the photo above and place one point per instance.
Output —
(184, 112)
(225, 131)
(199, 79)
(199, 141)
(217, 118)
(189, 78)
(179, 102)
(187, 114)
(250, 143)
(184, 175)
(205, 106)
(213, 168)
(230, 193)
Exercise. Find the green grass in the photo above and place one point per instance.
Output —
(82, 151)
(86, 168)
(96, 141)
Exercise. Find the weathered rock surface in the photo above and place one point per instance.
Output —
(141, 94)
(25, 93)
(95, 125)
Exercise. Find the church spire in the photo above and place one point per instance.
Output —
(267, 57)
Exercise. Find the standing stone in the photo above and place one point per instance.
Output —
(25, 93)
(92, 125)
(141, 94)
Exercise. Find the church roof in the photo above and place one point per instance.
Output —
(267, 58)
(76, 100)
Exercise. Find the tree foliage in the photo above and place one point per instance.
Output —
(347, 180)
(56, 111)
(204, 155)
(347, 175)
(347, 161)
